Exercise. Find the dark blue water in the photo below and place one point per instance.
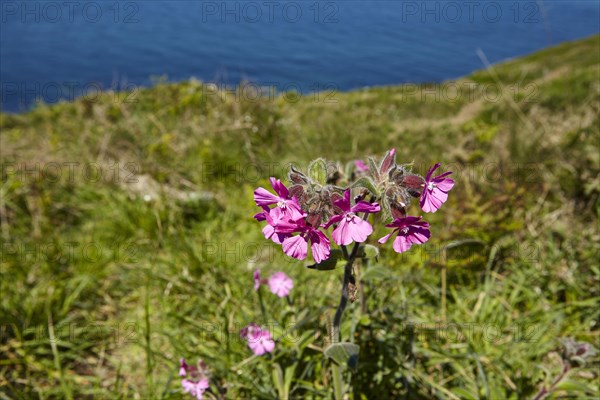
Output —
(55, 50)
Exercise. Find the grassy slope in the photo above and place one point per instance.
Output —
(150, 281)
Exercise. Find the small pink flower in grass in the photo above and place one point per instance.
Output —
(361, 166)
(351, 228)
(196, 381)
(410, 230)
(195, 388)
(280, 284)
(250, 331)
(288, 206)
(435, 192)
(183, 367)
(259, 340)
(256, 279)
(261, 343)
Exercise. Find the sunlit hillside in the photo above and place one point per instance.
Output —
(128, 239)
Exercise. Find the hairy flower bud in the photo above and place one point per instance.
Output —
(388, 162)
(413, 184)
(314, 199)
(395, 200)
(577, 352)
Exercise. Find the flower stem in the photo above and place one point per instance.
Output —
(544, 391)
(337, 319)
(262, 306)
(336, 371)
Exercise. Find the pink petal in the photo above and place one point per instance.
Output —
(445, 185)
(250, 332)
(263, 197)
(282, 222)
(430, 172)
(335, 219)
(256, 347)
(319, 246)
(188, 386)
(344, 202)
(295, 246)
(340, 234)
(260, 216)
(440, 195)
(360, 230)
(270, 233)
(363, 206)
(385, 238)
(203, 384)
(182, 367)
(293, 211)
(279, 188)
(269, 345)
(442, 176)
(419, 236)
(429, 202)
(401, 244)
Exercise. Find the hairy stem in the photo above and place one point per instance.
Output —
(336, 370)
(263, 311)
(337, 319)
(544, 391)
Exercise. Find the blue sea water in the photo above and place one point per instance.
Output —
(53, 50)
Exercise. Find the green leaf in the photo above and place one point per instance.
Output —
(343, 353)
(288, 378)
(331, 263)
(317, 171)
(367, 183)
(278, 380)
(574, 386)
(368, 251)
(465, 394)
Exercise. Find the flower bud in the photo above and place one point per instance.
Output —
(413, 184)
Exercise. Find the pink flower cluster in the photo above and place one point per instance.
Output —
(279, 283)
(287, 222)
(195, 380)
(259, 340)
(287, 218)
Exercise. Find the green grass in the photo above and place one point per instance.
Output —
(125, 286)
